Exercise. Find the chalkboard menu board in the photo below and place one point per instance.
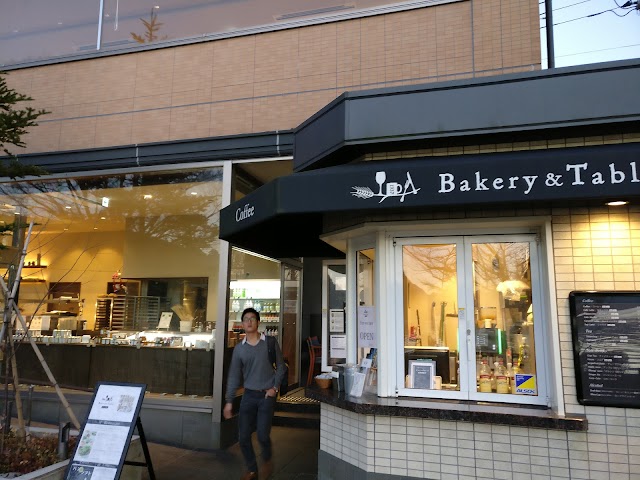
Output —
(606, 347)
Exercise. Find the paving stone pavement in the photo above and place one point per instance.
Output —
(295, 457)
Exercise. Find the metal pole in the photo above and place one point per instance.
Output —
(551, 57)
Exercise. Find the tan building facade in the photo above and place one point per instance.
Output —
(271, 81)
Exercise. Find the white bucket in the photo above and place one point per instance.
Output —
(185, 325)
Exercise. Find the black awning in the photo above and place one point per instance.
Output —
(285, 216)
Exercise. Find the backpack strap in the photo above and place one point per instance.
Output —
(271, 348)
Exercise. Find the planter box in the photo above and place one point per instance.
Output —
(129, 472)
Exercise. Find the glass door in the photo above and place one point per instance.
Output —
(291, 301)
(507, 343)
(432, 285)
(334, 302)
(468, 330)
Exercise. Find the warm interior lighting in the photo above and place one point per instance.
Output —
(147, 196)
(617, 203)
(68, 207)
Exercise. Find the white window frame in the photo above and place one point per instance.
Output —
(466, 327)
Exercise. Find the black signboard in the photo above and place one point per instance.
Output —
(606, 347)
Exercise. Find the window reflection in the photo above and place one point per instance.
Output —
(505, 347)
(430, 316)
(32, 30)
(103, 232)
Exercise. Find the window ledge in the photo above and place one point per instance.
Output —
(455, 410)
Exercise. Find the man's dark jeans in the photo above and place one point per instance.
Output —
(256, 414)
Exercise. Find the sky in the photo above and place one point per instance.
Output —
(601, 38)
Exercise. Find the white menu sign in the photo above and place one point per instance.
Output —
(106, 435)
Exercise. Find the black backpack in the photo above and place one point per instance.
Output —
(271, 348)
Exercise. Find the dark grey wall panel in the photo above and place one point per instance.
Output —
(269, 144)
(551, 100)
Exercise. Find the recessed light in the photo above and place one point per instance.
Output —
(68, 207)
(194, 193)
(617, 203)
(95, 228)
(147, 196)
(103, 218)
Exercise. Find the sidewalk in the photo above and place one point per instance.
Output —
(295, 457)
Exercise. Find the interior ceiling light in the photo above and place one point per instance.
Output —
(68, 207)
(617, 203)
(194, 193)
(103, 218)
(95, 228)
(147, 196)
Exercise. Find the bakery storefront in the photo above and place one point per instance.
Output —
(465, 224)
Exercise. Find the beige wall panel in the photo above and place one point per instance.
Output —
(123, 106)
(310, 102)
(190, 122)
(277, 55)
(44, 138)
(81, 82)
(348, 46)
(232, 92)
(151, 126)
(78, 134)
(114, 130)
(230, 81)
(22, 80)
(273, 113)
(373, 77)
(154, 73)
(372, 42)
(231, 117)
(317, 82)
(276, 87)
(79, 110)
(193, 70)
(116, 78)
(48, 84)
(317, 50)
(234, 61)
(152, 102)
(348, 80)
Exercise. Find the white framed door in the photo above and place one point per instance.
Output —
(467, 305)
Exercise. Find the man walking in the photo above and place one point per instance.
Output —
(251, 368)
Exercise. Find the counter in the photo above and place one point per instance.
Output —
(454, 410)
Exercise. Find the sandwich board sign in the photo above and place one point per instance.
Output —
(106, 435)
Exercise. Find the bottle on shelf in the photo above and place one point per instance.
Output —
(510, 376)
(502, 379)
(485, 377)
(523, 356)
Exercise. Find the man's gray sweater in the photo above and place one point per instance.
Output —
(251, 368)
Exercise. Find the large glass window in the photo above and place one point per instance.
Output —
(116, 251)
(32, 30)
(125, 262)
(468, 318)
